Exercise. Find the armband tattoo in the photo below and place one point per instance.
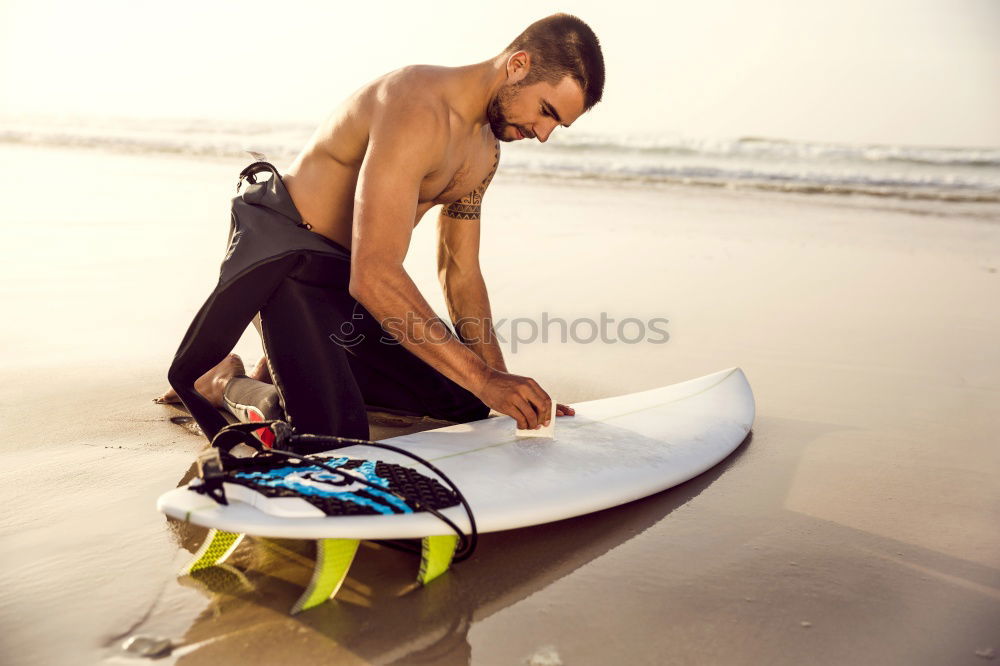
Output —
(469, 207)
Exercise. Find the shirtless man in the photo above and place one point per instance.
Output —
(425, 136)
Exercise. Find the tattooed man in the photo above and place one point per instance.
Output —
(417, 138)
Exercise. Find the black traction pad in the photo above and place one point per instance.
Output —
(336, 495)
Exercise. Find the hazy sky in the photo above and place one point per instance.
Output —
(919, 72)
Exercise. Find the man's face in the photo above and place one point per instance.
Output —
(532, 111)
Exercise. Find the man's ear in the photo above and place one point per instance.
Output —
(518, 66)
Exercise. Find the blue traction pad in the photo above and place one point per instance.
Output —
(336, 495)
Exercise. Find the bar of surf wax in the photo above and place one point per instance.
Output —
(544, 431)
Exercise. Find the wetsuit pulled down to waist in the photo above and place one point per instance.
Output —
(328, 356)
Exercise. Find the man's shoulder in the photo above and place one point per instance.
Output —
(408, 118)
(415, 89)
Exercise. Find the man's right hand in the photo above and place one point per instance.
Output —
(520, 398)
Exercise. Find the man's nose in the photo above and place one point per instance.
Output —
(542, 132)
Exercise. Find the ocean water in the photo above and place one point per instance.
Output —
(905, 172)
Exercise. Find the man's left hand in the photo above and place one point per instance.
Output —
(564, 410)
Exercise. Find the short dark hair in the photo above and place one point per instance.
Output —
(562, 45)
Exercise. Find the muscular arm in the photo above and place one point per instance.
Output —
(460, 275)
(405, 144)
(462, 280)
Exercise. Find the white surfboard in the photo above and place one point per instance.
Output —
(613, 451)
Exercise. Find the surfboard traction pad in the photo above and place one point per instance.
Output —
(335, 556)
(328, 492)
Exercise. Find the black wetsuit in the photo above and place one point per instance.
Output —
(327, 355)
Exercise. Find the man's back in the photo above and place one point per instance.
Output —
(323, 179)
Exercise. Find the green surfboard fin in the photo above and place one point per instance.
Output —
(218, 545)
(436, 553)
(333, 559)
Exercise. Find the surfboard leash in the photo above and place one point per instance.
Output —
(211, 469)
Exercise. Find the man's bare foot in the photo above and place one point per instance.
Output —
(261, 372)
(213, 383)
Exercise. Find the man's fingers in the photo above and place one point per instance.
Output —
(528, 407)
(522, 399)
(519, 414)
(543, 412)
(540, 401)
(531, 411)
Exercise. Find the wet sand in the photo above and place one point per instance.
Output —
(859, 524)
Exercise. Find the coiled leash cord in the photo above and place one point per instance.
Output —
(242, 433)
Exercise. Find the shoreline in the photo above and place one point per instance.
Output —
(943, 174)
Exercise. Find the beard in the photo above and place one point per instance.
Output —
(498, 108)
